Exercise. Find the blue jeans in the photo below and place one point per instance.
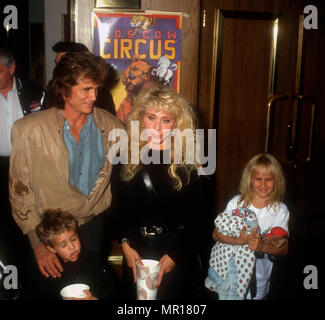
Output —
(226, 288)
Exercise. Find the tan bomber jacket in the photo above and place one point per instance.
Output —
(39, 171)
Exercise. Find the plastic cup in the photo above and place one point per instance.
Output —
(74, 291)
(147, 278)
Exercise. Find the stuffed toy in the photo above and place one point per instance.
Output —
(277, 237)
(232, 266)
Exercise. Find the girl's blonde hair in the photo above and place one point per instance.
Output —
(266, 163)
(163, 99)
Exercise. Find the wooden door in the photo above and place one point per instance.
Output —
(250, 53)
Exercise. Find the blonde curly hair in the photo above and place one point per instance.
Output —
(159, 98)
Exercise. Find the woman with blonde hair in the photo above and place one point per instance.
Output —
(176, 113)
(161, 194)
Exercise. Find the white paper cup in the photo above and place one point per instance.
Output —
(147, 278)
(74, 291)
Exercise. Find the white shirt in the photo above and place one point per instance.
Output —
(267, 219)
(10, 111)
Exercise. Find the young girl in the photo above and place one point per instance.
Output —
(262, 188)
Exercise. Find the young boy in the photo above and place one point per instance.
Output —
(59, 232)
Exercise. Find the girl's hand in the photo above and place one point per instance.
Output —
(255, 241)
(88, 296)
(131, 257)
(243, 236)
(238, 241)
(166, 265)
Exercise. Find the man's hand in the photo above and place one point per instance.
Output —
(166, 265)
(47, 261)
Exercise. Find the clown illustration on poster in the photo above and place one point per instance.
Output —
(143, 47)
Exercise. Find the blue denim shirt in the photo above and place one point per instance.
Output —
(87, 157)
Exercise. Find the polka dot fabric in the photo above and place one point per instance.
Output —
(230, 223)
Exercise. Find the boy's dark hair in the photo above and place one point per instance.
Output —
(69, 46)
(53, 223)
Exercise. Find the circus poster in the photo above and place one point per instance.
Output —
(142, 48)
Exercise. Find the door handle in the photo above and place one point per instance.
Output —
(269, 118)
(312, 100)
(269, 122)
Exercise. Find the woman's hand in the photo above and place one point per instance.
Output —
(131, 257)
(166, 265)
